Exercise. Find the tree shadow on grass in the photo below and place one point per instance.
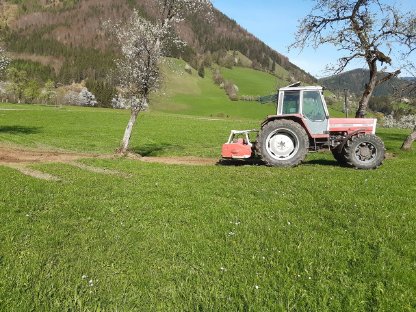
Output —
(156, 149)
(19, 130)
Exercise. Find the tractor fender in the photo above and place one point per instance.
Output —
(349, 136)
(295, 117)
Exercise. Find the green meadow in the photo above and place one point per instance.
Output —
(161, 237)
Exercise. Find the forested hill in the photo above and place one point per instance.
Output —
(354, 81)
(67, 37)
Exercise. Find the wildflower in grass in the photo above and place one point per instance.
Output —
(84, 277)
(90, 283)
(223, 269)
(231, 234)
(256, 286)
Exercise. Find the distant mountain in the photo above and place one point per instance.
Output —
(355, 80)
(66, 35)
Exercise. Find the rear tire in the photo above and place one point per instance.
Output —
(282, 143)
(364, 151)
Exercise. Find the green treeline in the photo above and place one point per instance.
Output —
(35, 70)
(79, 63)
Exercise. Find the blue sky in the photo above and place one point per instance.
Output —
(275, 22)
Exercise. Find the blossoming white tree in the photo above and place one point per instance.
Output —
(142, 46)
(4, 60)
(86, 98)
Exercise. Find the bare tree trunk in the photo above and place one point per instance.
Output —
(127, 133)
(368, 92)
(407, 144)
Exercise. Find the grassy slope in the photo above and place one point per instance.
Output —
(317, 237)
(189, 94)
(252, 82)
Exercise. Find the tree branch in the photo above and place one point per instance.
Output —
(388, 77)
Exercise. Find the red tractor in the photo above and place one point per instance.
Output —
(302, 124)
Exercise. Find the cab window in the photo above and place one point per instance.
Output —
(291, 102)
(313, 108)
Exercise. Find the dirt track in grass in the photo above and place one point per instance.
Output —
(20, 159)
(13, 155)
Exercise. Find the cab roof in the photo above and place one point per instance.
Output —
(297, 87)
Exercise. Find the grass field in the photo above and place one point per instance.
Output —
(318, 237)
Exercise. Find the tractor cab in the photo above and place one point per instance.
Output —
(307, 103)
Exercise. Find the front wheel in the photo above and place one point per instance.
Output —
(364, 151)
(282, 143)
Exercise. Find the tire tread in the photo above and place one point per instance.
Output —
(282, 123)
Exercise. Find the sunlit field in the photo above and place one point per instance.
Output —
(143, 236)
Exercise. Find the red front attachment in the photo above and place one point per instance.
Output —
(236, 150)
(240, 148)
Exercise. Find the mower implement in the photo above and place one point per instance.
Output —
(238, 145)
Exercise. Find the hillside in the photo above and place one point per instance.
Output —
(354, 81)
(66, 35)
(187, 93)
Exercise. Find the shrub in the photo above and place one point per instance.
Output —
(404, 122)
(330, 100)
(188, 69)
(231, 90)
(218, 78)
(31, 91)
(201, 71)
(71, 98)
(82, 98)
(249, 98)
(381, 104)
(103, 91)
(86, 98)
(228, 61)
